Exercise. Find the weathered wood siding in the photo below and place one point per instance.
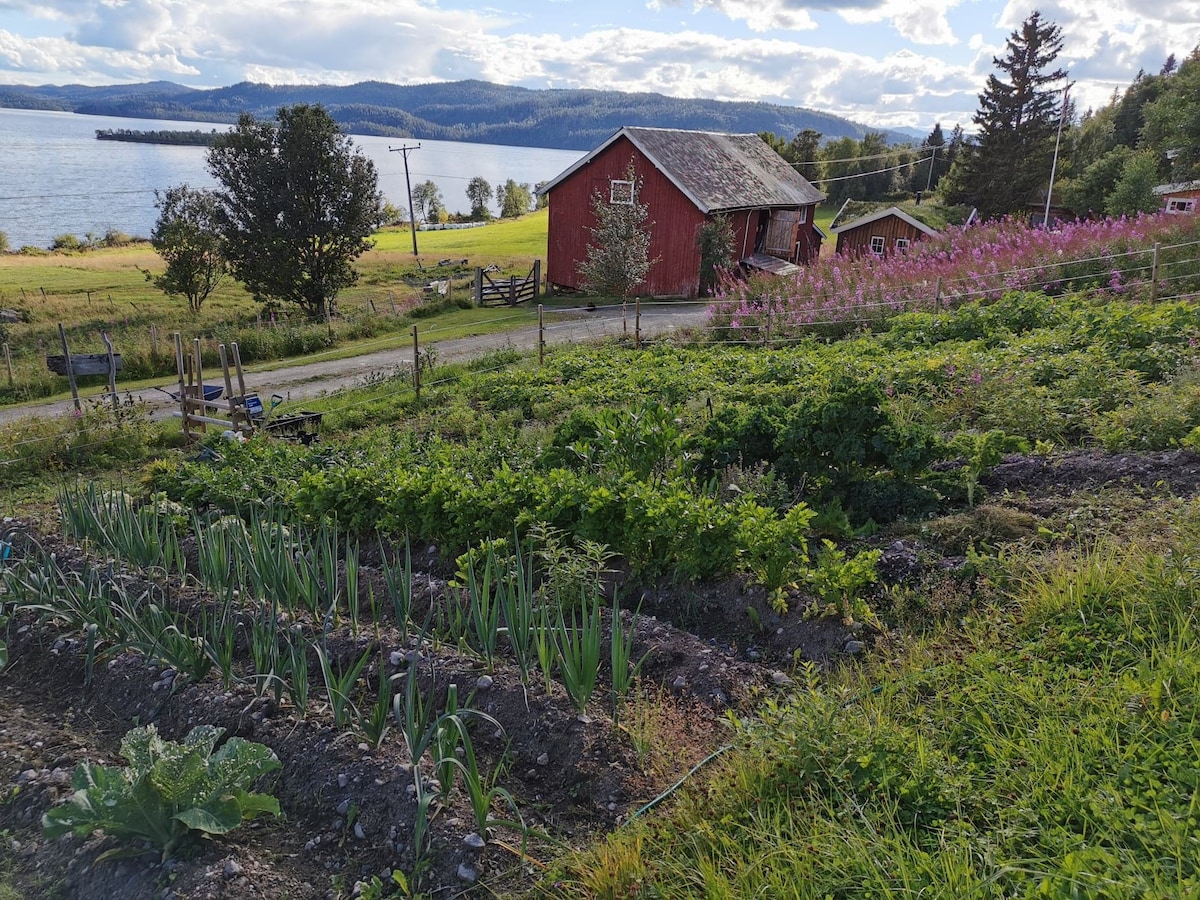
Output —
(854, 241)
(676, 224)
(675, 218)
(1192, 194)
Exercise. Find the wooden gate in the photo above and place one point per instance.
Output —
(511, 291)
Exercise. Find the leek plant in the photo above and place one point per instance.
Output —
(296, 670)
(339, 685)
(375, 724)
(621, 651)
(516, 596)
(398, 579)
(483, 603)
(112, 520)
(578, 643)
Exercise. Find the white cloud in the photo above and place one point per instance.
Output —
(920, 21)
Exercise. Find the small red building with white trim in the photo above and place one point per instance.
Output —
(1181, 198)
(685, 178)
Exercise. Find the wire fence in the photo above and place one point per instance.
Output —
(1158, 274)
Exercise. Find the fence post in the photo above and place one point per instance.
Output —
(183, 405)
(767, 327)
(374, 311)
(416, 364)
(541, 337)
(512, 290)
(1154, 274)
(937, 298)
(625, 318)
(478, 286)
(153, 340)
(637, 323)
(112, 370)
(537, 279)
(8, 363)
(62, 334)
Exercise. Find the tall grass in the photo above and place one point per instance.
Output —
(1047, 750)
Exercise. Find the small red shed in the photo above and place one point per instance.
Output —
(882, 229)
(1180, 198)
(685, 178)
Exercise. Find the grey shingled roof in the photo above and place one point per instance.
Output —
(717, 172)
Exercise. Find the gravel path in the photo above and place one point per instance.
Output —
(324, 377)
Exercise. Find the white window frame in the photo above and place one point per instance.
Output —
(803, 216)
(902, 245)
(1181, 205)
(620, 190)
(878, 243)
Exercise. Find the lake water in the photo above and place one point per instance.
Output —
(56, 178)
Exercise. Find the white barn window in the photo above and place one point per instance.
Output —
(620, 191)
(877, 243)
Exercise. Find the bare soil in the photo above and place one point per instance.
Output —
(349, 809)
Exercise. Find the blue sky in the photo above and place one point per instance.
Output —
(888, 63)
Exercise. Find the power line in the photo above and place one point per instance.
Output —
(875, 172)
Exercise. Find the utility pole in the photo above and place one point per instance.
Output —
(412, 213)
(932, 163)
(1054, 165)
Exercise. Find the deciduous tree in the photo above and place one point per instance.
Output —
(427, 201)
(479, 192)
(515, 199)
(298, 204)
(618, 255)
(186, 236)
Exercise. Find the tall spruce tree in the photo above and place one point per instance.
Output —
(1009, 162)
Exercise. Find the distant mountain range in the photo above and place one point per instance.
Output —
(451, 111)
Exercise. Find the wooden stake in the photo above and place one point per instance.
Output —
(416, 365)
(62, 334)
(637, 322)
(112, 370)
(1154, 274)
(233, 410)
(8, 363)
(183, 406)
(541, 337)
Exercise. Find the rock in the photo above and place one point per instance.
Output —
(780, 678)
(485, 682)
(343, 807)
(467, 873)
(343, 779)
(359, 831)
(475, 841)
(853, 648)
(543, 759)
(395, 657)
(232, 868)
(679, 683)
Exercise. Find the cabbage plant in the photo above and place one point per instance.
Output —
(169, 791)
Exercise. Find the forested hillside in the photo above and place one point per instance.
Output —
(460, 111)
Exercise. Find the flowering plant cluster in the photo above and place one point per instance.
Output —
(977, 262)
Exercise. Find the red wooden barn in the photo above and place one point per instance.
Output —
(685, 178)
(882, 229)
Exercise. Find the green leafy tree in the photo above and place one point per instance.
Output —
(3, 242)
(1172, 122)
(427, 201)
(515, 199)
(1087, 194)
(715, 242)
(618, 255)
(1134, 191)
(479, 192)
(188, 239)
(168, 791)
(1017, 119)
(299, 203)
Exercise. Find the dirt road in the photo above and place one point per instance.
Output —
(313, 379)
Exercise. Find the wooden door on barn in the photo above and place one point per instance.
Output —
(780, 240)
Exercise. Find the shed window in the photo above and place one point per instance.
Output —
(902, 245)
(802, 217)
(877, 243)
(1181, 206)
(620, 191)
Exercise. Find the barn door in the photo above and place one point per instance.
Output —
(780, 241)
